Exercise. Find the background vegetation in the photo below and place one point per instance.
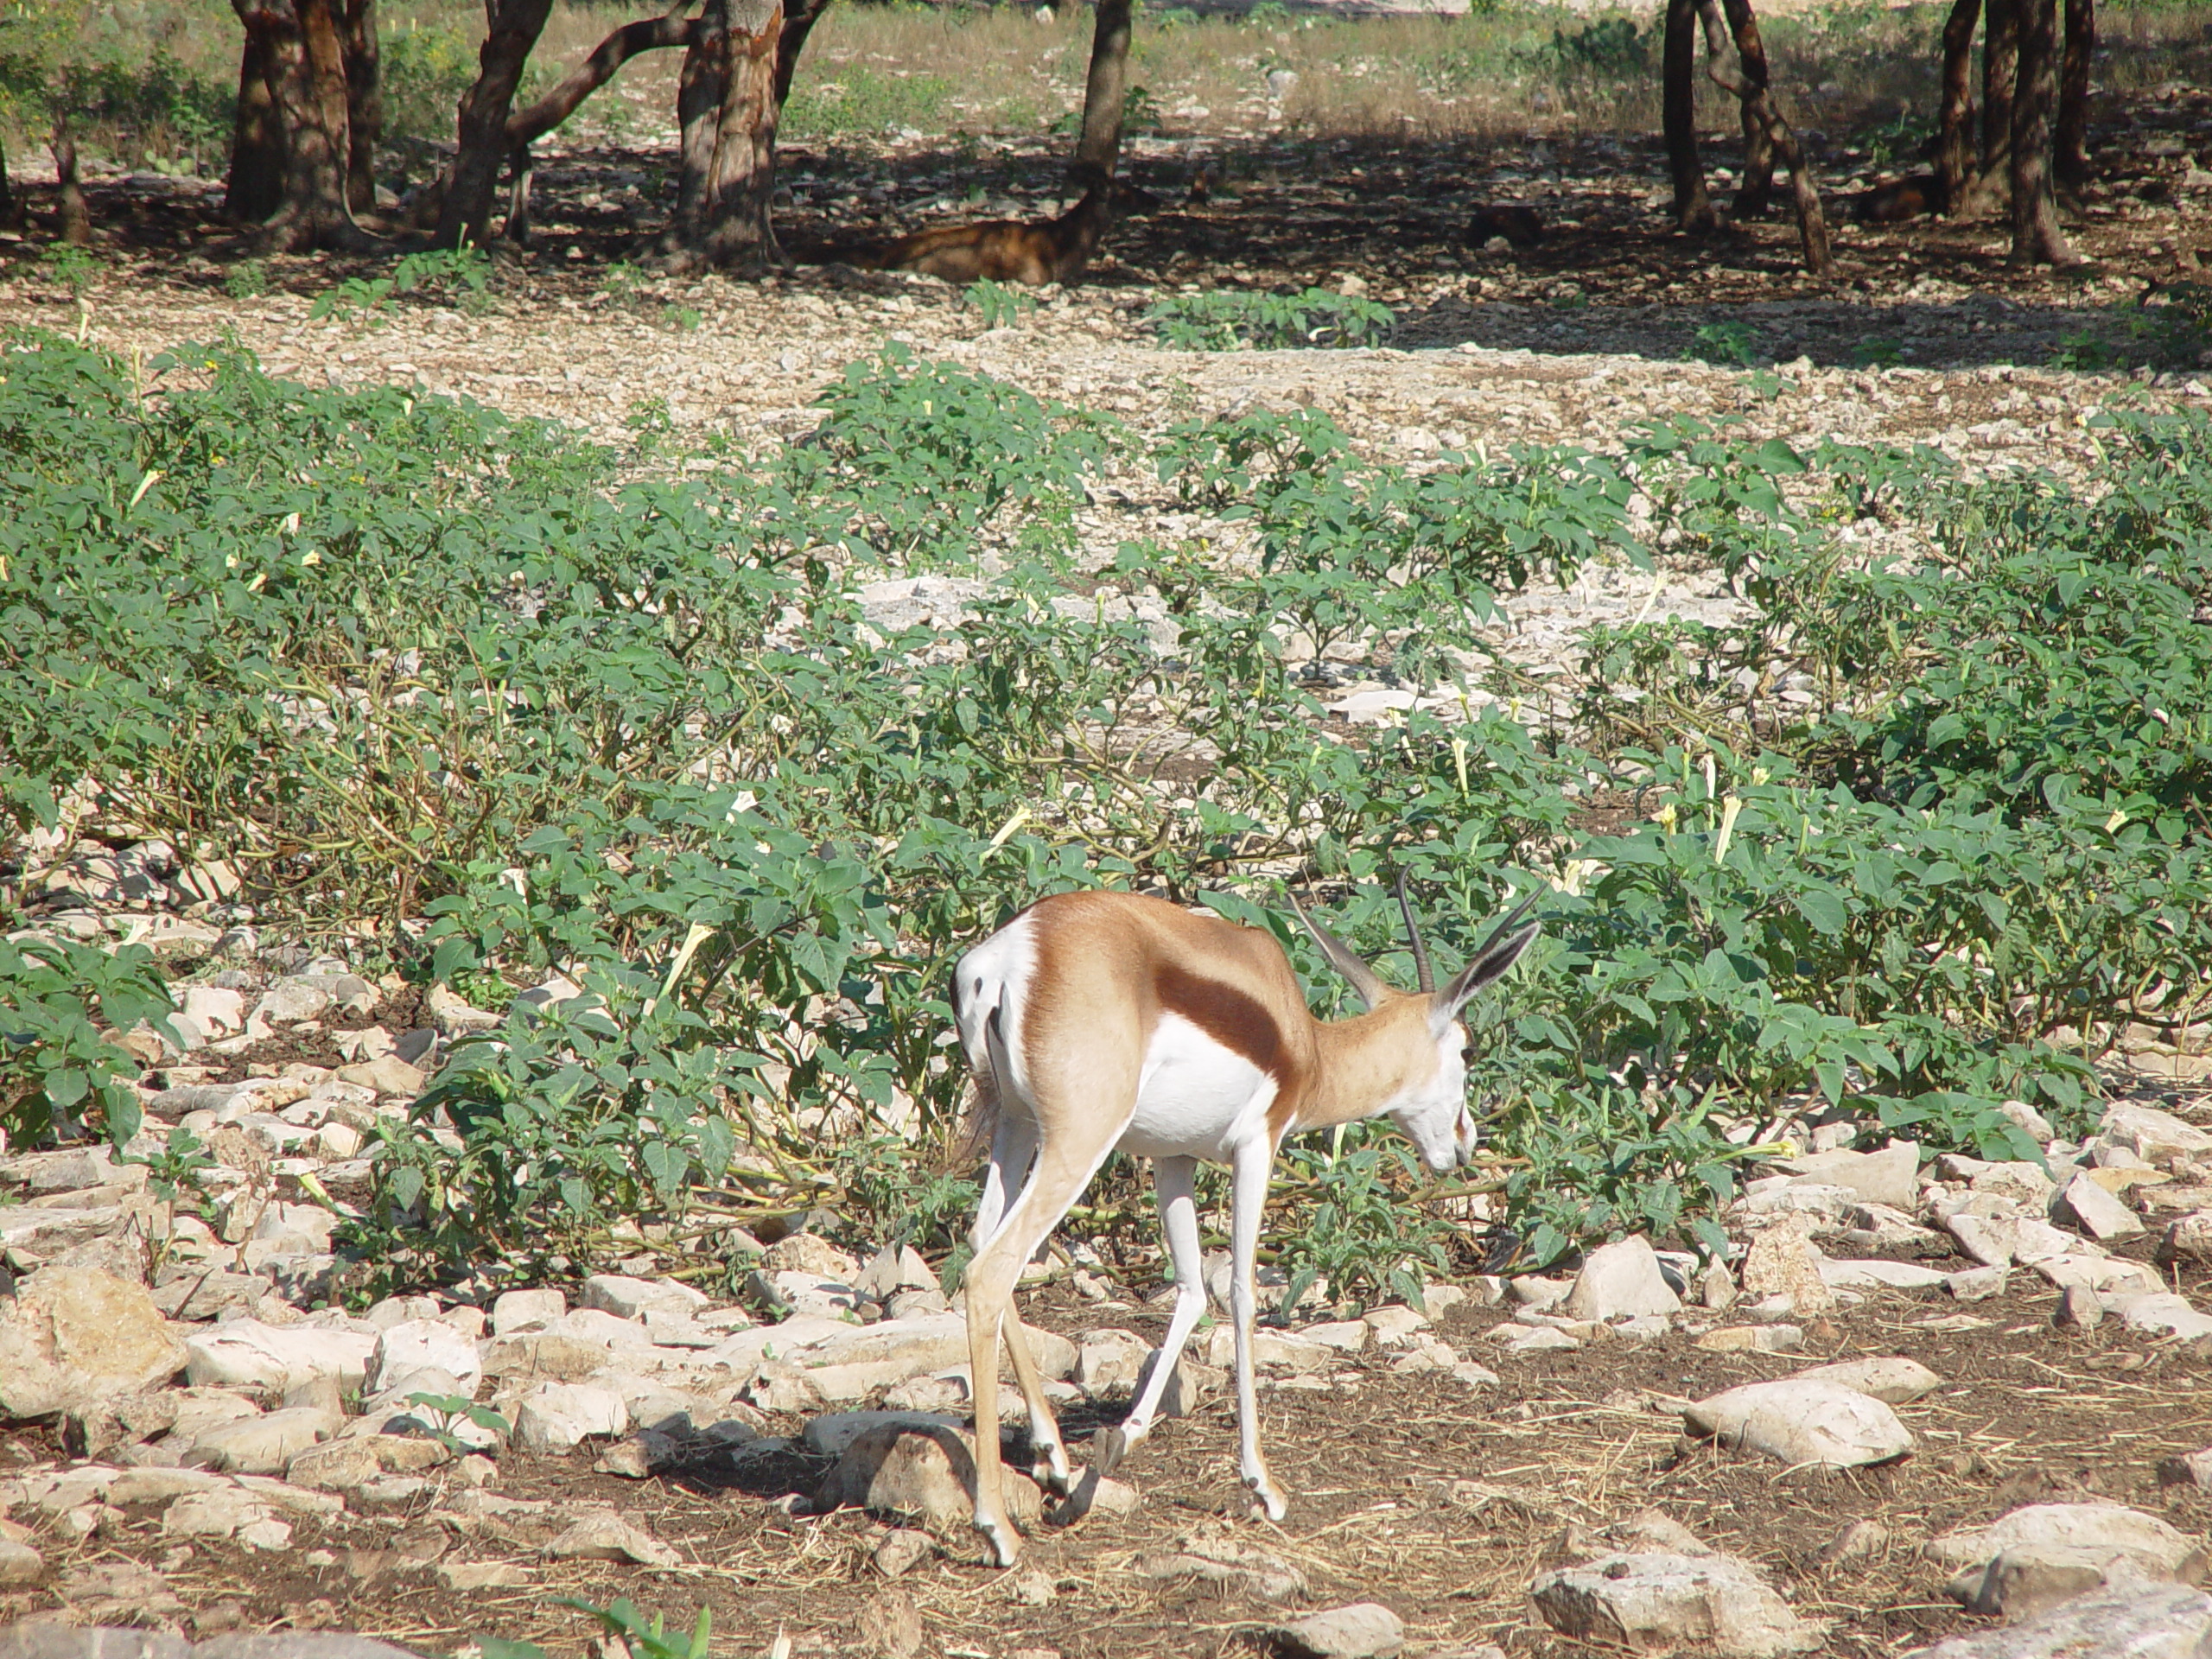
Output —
(486, 703)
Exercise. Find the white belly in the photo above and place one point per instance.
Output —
(1195, 1098)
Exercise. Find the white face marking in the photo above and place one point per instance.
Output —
(1196, 1098)
(1434, 1115)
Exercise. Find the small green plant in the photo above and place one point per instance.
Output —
(650, 420)
(247, 280)
(358, 301)
(461, 275)
(173, 1169)
(70, 265)
(2083, 349)
(1876, 354)
(624, 283)
(631, 1633)
(1234, 319)
(1003, 307)
(59, 999)
(1728, 345)
(445, 1411)
(1360, 1238)
(683, 319)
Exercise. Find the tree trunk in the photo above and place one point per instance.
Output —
(727, 109)
(75, 226)
(799, 19)
(527, 126)
(257, 179)
(364, 103)
(737, 228)
(2001, 64)
(2073, 143)
(1692, 207)
(1954, 147)
(1105, 93)
(465, 215)
(305, 70)
(1754, 102)
(2036, 232)
(11, 207)
(698, 114)
(1760, 112)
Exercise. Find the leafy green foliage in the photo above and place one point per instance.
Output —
(1361, 1237)
(447, 1409)
(1228, 319)
(59, 1002)
(688, 743)
(1001, 307)
(1731, 345)
(72, 267)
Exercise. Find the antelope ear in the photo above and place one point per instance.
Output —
(1370, 989)
(1496, 953)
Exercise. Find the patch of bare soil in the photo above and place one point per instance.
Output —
(1441, 1502)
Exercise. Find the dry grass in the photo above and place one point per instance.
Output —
(1015, 72)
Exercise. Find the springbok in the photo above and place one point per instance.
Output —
(1098, 1021)
(1033, 253)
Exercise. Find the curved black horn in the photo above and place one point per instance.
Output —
(1371, 989)
(1426, 974)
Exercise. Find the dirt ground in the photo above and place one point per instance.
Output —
(1440, 1500)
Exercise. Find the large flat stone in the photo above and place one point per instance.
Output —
(73, 1335)
(1802, 1422)
(2152, 1622)
(1649, 1602)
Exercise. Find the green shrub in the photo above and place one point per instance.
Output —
(59, 1002)
(1229, 320)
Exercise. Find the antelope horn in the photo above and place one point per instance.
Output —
(1363, 978)
(1421, 969)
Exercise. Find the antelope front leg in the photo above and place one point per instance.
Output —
(1253, 1162)
(1174, 1181)
(1051, 1466)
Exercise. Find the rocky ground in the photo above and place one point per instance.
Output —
(1923, 1398)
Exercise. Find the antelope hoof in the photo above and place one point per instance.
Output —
(1005, 1542)
(1267, 1498)
(1111, 1446)
(1054, 1474)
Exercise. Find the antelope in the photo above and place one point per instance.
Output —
(1013, 250)
(1902, 200)
(1093, 1021)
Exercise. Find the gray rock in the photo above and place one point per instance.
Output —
(1619, 1280)
(1753, 1339)
(248, 1354)
(2154, 1622)
(1892, 1380)
(526, 1310)
(901, 1552)
(1110, 1361)
(300, 1644)
(920, 1474)
(806, 1294)
(2098, 1534)
(1781, 1262)
(219, 1514)
(2079, 1309)
(627, 1298)
(2158, 1138)
(70, 1336)
(43, 1638)
(2166, 1315)
(2031, 1578)
(2195, 1470)
(554, 1418)
(1867, 1276)
(1889, 1176)
(1365, 1630)
(20, 1565)
(1802, 1422)
(264, 1444)
(1219, 1557)
(606, 1536)
(2108, 1276)
(1641, 1602)
(2097, 1211)
(1978, 1284)
(891, 1270)
(2189, 1238)
(416, 1345)
(810, 1253)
